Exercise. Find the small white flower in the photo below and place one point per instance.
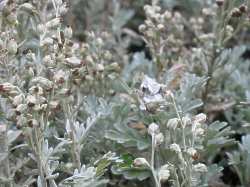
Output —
(202, 168)
(153, 129)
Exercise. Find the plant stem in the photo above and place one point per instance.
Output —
(182, 124)
(153, 151)
(4, 149)
(38, 152)
(75, 147)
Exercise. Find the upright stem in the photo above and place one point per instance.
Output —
(182, 124)
(157, 182)
(38, 152)
(4, 149)
(75, 147)
(153, 151)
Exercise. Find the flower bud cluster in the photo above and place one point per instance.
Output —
(162, 29)
(157, 136)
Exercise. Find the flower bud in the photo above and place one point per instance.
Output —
(27, 7)
(138, 162)
(47, 59)
(160, 27)
(229, 30)
(172, 123)
(236, 12)
(201, 168)
(159, 138)
(107, 55)
(12, 18)
(243, 8)
(164, 173)
(59, 77)
(8, 88)
(68, 32)
(31, 100)
(3, 128)
(31, 72)
(100, 67)
(74, 61)
(21, 120)
(168, 93)
(43, 82)
(46, 42)
(186, 121)
(99, 42)
(89, 59)
(199, 131)
(33, 123)
(20, 109)
(41, 29)
(36, 90)
(54, 105)
(113, 67)
(200, 118)
(193, 153)
(142, 28)
(153, 129)
(17, 100)
(167, 15)
(175, 147)
(219, 2)
(12, 46)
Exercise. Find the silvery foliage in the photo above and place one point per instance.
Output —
(65, 103)
(44, 66)
(240, 160)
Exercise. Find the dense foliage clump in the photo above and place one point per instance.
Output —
(124, 93)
